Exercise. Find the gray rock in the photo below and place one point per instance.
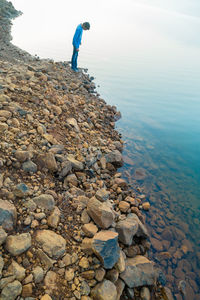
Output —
(18, 244)
(29, 167)
(101, 213)
(11, 290)
(114, 157)
(120, 285)
(105, 290)
(127, 229)
(8, 215)
(50, 281)
(139, 272)
(105, 246)
(130, 227)
(51, 243)
(67, 167)
(45, 201)
(6, 280)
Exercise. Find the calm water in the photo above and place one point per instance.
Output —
(145, 56)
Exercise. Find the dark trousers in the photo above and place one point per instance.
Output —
(74, 59)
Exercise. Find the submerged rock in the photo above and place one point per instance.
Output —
(139, 272)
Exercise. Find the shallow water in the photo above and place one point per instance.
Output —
(145, 56)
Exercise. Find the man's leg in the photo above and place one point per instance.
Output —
(74, 59)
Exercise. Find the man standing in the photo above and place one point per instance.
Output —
(77, 42)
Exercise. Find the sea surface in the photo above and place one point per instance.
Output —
(145, 57)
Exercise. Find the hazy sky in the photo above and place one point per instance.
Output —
(47, 26)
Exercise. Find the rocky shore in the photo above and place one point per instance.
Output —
(71, 227)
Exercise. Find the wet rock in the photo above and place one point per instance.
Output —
(8, 215)
(45, 201)
(105, 290)
(127, 229)
(18, 244)
(105, 246)
(11, 290)
(139, 272)
(140, 174)
(29, 167)
(157, 245)
(52, 243)
(101, 213)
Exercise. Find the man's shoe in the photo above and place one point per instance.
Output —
(75, 69)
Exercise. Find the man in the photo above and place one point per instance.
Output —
(77, 42)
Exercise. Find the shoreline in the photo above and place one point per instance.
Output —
(59, 185)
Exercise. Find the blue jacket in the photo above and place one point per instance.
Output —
(77, 36)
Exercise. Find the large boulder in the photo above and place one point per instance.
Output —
(11, 290)
(139, 272)
(51, 243)
(105, 246)
(45, 201)
(8, 215)
(105, 290)
(18, 244)
(101, 213)
(130, 227)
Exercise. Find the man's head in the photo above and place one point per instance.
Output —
(86, 26)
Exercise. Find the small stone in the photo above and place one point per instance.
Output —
(29, 167)
(18, 244)
(99, 274)
(21, 190)
(145, 293)
(124, 206)
(102, 195)
(69, 274)
(54, 218)
(84, 263)
(105, 290)
(8, 215)
(46, 297)
(45, 201)
(146, 205)
(90, 229)
(27, 290)
(38, 274)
